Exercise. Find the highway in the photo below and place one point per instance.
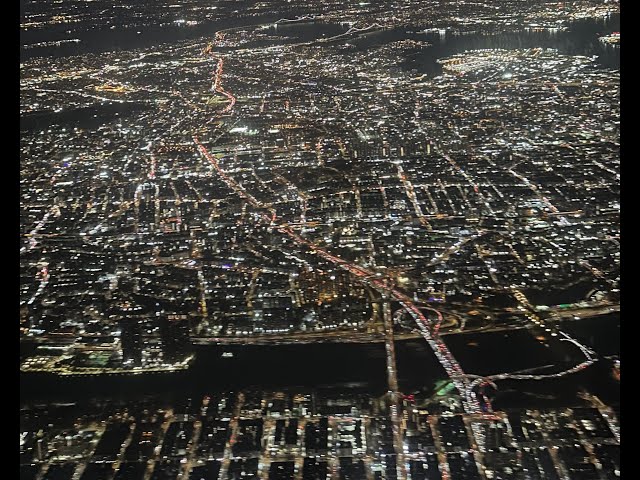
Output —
(371, 279)
(480, 382)
(34, 232)
(394, 392)
(44, 280)
(217, 87)
(364, 276)
(470, 387)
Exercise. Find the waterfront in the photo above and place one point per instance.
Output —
(360, 367)
(581, 38)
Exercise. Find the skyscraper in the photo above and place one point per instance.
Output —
(174, 334)
(131, 341)
(130, 317)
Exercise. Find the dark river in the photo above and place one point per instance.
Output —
(362, 367)
(580, 39)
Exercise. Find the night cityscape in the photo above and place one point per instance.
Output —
(319, 240)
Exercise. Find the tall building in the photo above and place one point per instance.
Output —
(41, 447)
(130, 317)
(174, 335)
(147, 206)
(131, 341)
